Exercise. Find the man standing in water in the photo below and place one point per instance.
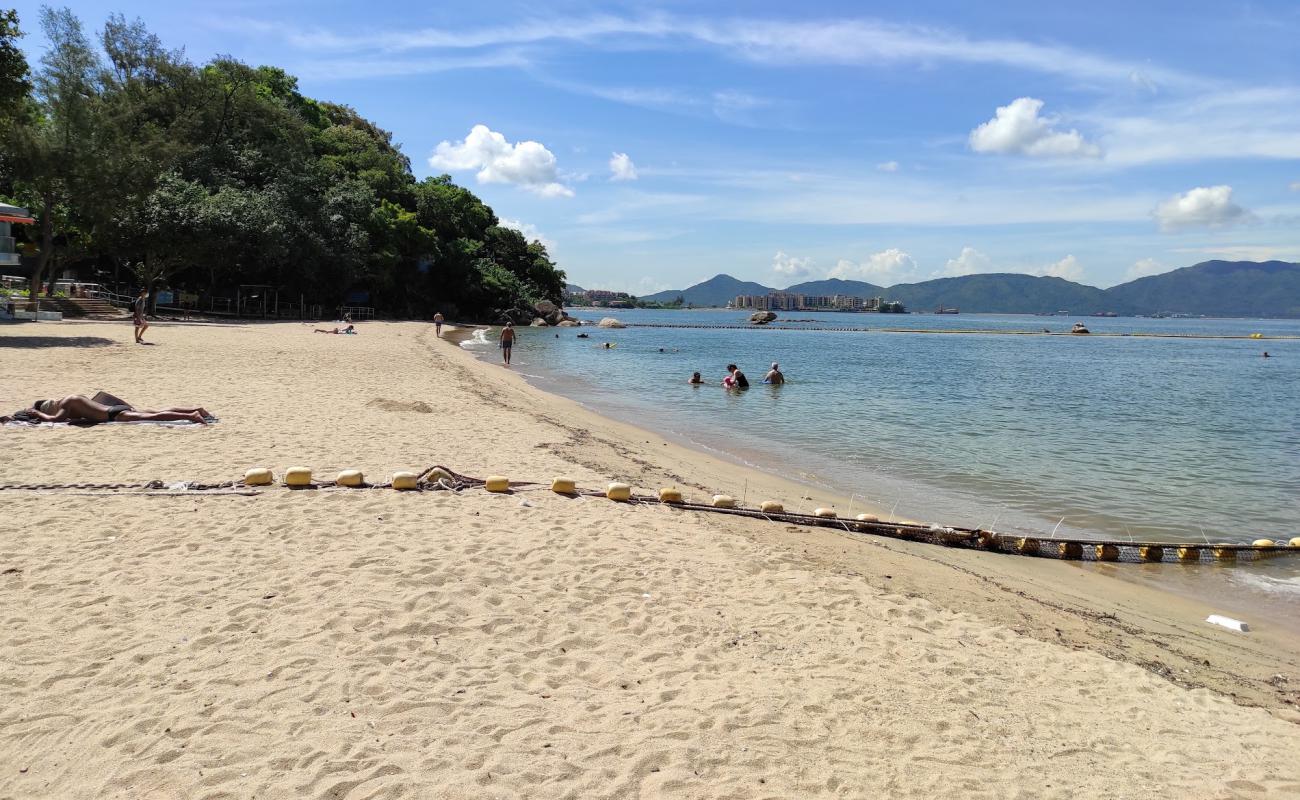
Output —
(775, 377)
(437, 324)
(138, 309)
(507, 341)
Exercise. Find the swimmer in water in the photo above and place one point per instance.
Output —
(695, 379)
(775, 377)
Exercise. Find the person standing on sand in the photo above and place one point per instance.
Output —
(137, 312)
(507, 341)
(437, 324)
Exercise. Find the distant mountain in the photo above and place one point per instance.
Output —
(834, 286)
(1217, 288)
(1004, 293)
(716, 291)
(1214, 288)
(573, 288)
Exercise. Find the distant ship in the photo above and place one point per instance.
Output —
(942, 310)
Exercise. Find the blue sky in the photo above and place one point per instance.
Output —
(654, 145)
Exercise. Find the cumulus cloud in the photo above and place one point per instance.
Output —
(1144, 268)
(1018, 129)
(888, 166)
(968, 262)
(1202, 207)
(528, 165)
(621, 168)
(1068, 268)
(883, 268)
(790, 267)
(529, 231)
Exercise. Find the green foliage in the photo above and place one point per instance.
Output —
(14, 83)
(209, 176)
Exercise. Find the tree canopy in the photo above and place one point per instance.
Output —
(214, 175)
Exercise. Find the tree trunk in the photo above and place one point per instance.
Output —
(42, 258)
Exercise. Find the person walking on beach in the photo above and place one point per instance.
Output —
(437, 324)
(507, 341)
(137, 312)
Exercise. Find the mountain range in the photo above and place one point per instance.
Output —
(1212, 288)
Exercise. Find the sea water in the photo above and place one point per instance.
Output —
(1116, 437)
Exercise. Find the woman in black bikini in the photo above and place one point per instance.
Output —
(81, 409)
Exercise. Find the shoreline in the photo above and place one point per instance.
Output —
(1093, 589)
(381, 643)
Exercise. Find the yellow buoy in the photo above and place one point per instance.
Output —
(1257, 336)
(350, 477)
(620, 492)
(771, 507)
(405, 481)
(297, 476)
(667, 495)
(828, 513)
(1189, 554)
(1107, 552)
(258, 476)
(724, 501)
(497, 483)
(1295, 542)
(1072, 550)
(1225, 553)
(1027, 545)
(1151, 553)
(564, 486)
(867, 518)
(1264, 543)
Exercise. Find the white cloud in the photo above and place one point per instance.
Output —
(530, 233)
(883, 268)
(528, 164)
(888, 166)
(1017, 128)
(1068, 268)
(1295, 186)
(621, 168)
(968, 262)
(1202, 207)
(1144, 268)
(790, 267)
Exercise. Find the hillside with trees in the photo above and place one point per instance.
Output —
(136, 162)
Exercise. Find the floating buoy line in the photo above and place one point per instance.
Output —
(441, 478)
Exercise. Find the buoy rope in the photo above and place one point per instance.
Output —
(442, 478)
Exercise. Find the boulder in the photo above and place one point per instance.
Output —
(762, 317)
(569, 322)
(554, 317)
(539, 323)
(610, 322)
(544, 308)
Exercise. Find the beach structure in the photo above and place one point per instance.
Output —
(10, 216)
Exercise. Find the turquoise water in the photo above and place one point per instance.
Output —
(1114, 437)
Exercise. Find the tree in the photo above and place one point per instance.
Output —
(14, 83)
(51, 146)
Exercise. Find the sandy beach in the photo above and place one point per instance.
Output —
(377, 644)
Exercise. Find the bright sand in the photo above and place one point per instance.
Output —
(373, 644)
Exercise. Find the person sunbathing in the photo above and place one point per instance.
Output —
(79, 409)
(350, 330)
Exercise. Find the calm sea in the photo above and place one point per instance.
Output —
(1116, 437)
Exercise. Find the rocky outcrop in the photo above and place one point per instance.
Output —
(538, 322)
(762, 317)
(610, 322)
(568, 322)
